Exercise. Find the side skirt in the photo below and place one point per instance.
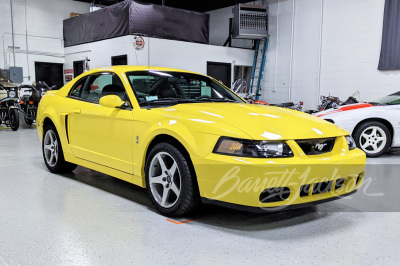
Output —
(134, 179)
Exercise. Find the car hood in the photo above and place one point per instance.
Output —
(259, 122)
(344, 108)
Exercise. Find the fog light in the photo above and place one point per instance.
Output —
(359, 179)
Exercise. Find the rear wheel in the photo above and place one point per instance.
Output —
(14, 119)
(373, 138)
(52, 152)
(171, 185)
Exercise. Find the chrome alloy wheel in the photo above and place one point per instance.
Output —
(373, 139)
(50, 148)
(164, 179)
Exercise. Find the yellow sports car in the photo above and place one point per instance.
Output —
(188, 139)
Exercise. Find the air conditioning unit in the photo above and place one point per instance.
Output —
(250, 21)
(95, 8)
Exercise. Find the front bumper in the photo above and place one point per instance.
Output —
(239, 207)
(310, 179)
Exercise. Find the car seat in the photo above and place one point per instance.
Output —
(113, 90)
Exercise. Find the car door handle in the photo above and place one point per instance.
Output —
(77, 111)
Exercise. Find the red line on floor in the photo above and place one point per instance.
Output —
(175, 222)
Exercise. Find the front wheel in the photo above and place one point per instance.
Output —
(53, 154)
(373, 138)
(14, 119)
(171, 184)
(28, 121)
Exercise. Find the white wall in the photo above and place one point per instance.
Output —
(42, 18)
(302, 63)
(276, 82)
(351, 42)
(157, 52)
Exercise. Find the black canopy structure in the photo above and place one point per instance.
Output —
(137, 18)
(193, 5)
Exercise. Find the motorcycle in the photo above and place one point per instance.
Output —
(29, 102)
(241, 89)
(328, 102)
(8, 105)
(290, 105)
(355, 98)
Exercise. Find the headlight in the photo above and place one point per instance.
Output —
(43, 93)
(254, 149)
(12, 94)
(351, 143)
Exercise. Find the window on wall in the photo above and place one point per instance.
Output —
(119, 60)
(78, 68)
(390, 52)
(220, 71)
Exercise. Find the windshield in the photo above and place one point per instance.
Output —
(389, 99)
(156, 87)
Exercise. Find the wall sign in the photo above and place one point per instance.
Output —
(68, 78)
(138, 43)
(68, 71)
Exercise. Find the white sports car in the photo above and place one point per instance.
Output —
(375, 126)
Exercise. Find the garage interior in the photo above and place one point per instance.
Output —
(315, 48)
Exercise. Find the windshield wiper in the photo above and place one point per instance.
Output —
(213, 99)
(165, 101)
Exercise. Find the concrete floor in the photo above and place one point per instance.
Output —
(87, 218)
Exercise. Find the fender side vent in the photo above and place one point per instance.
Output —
(66, 128)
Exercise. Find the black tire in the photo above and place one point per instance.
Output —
(14, 119)
(28, 121)
(189, 197)
(60, 165)
(362, 141)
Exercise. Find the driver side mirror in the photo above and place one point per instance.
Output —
(111, 101)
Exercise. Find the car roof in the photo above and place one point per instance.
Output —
(124, 69)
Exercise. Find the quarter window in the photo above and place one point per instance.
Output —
(77, 88)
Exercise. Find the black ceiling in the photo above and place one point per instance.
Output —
(194, 5)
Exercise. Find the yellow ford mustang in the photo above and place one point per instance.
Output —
(188, 139)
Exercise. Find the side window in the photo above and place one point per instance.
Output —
(103, 84)
(76, 89)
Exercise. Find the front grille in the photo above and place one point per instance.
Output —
(339, 183)
(275, 194)
(322, 187)
(304, 190)
(316, 146)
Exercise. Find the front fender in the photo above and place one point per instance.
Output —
(197, 144)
